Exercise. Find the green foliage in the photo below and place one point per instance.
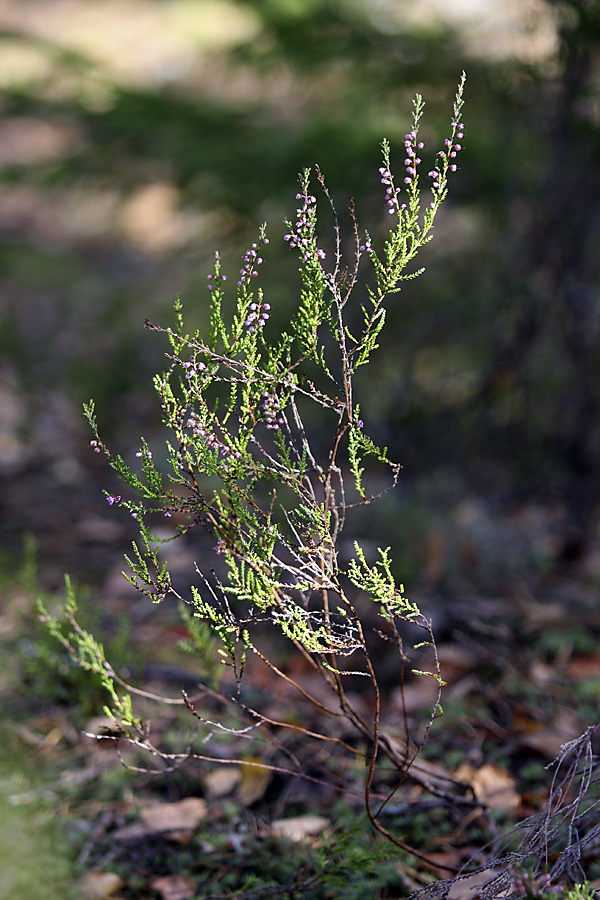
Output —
(232, 404)
(202, 644)
(244, 463)
(582, 891)
(83, 648)
(46, 668)
(379, 584)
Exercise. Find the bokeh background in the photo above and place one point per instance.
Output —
(139, 136)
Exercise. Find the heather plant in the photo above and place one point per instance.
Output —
(244, 463)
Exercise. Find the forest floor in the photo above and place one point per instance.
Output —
(99, 818)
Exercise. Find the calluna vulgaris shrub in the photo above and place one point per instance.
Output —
(244, 464)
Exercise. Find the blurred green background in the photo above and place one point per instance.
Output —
(139, 136)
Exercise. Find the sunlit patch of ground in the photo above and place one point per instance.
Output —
(489, 29)
(184, 45)
(137, 42)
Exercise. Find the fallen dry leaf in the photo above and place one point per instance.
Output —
(547, 740)
(175, 818)
(186, 813)
(581, 668)
(493, 785)
(452, 858)
(222, 781)
(255, 781)
(175, 887)
(468, 888)
(298, 828)
(98, 885)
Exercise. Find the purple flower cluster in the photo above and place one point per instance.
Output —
(458, 131)
(412, 160)
(115, 500)
(270, 407)
(95, 447)
(193, 367)
(391, 192)
(210, 286)
(208, 437)
(258, 315)
(251, 261)
(211, 441)
(449, 154)
(302, 233)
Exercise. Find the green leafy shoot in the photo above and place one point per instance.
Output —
(266, 453)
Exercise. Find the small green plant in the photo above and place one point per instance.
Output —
(544, 888)
(248, 463)
(50, 675)
(581, 892)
